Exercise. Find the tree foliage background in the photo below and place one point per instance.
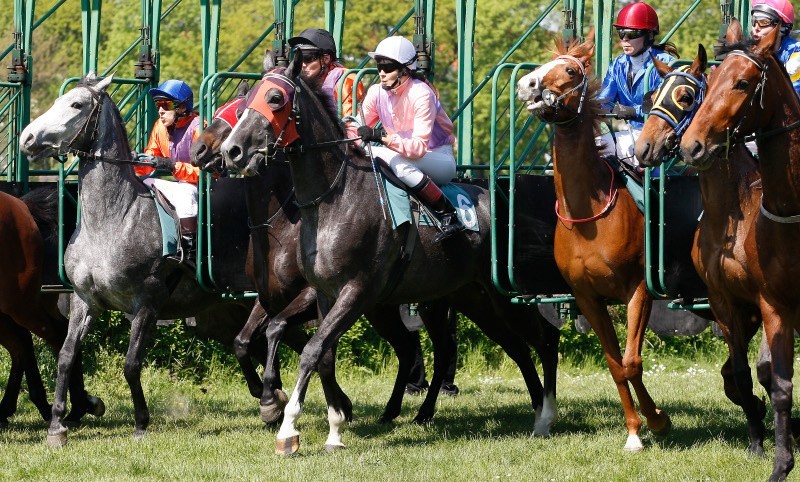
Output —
(499, 25)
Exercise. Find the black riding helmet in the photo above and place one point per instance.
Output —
(317, 37)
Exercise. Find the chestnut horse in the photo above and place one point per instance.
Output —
(730, 208)
(25, 309)
(348, 249)
(599, 241)
(288, 300)
(753, 94)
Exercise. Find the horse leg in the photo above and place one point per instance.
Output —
(545, 342)
(142, 329)
(341, 317)
(340, 407)
(255, 324)
(437, 324)
(638, 315)
(387, 322)
(300, 310)
(596, 313)
(81, 317)
(780, 337)
(13, 339)
(738, 381)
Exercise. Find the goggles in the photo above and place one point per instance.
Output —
(165, 104)
(764, 22)
(630, 33)
(388, 67)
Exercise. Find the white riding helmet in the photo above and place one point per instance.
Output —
(399, 49)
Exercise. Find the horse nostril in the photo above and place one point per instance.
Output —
(201, 151)
(28, 141)
(234, 153)
(697, 150)
(644, 154)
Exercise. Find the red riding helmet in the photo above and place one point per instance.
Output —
(638, 16)
(778, 9)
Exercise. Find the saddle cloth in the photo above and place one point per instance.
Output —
(169, 221)
(400, 205)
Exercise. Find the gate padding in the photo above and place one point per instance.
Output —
(230, 235)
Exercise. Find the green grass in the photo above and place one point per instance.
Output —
(211, 431)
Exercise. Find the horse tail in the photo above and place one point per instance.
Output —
(43, 205)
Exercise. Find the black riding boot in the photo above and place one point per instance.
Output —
(189, 239)
(429, 193)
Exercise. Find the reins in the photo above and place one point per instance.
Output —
(612, 196)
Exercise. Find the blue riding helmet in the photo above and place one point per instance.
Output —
(176, 90)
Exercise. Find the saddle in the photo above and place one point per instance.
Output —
(177, 233)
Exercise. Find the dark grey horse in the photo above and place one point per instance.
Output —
(348, 249)
(288, 299)
(114, 258)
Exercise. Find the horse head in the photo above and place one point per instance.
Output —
(70, 125)
(674, 106)
(205, 150)
(556, 92)
(268, 122)
(738, 87)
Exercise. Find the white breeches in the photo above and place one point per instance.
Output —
(182, 195)
(626, 140)
(438, 163)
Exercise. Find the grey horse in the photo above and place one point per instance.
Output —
(114, 259)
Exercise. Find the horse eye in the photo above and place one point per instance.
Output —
(76, 105)
(742, 85)
(274, 98)
(571, 71)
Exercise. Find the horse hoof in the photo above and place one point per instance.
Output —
(666, 428)
(98, 408)
(287, 446)
(270, 414)
(333, 447)
(139, 434)
(57, 440)
(386, 418)
(756, 450)
(3, 423)
(423, 420)
(633, 444)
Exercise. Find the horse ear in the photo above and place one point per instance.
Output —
(766, 45)
(296, 65)
(103, 84)
(662, 68)
(242, 89)
(90, 76)
(700, 62)
(734, 32)
(269, 61)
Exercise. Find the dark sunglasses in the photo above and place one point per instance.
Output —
(764, 22)
(629, 33)
(165, 104)
(311, 56)
(388, 67)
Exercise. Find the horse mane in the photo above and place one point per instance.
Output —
(43, 206)
(726, 47)
(113, 113)
(315, 88)
(583, 49)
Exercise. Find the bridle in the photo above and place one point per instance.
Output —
(552, 100)
(732, 136)
(286, 129)
(95, 114)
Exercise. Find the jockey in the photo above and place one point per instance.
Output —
(417, 135)
(770, 14)
(169, 146)
(623, 87)
(319, 60)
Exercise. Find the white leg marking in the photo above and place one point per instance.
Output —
(545, 416)
(335, 420)
(633, 444)
(291, 413)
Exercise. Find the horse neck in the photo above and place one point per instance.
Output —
(579, 173)
(780, 154)
(108, 190)
(267, 197)
(725, 187)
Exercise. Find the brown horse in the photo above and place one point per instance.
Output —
(730, 209)
(753, 93)
(599, 242)
(24, 309)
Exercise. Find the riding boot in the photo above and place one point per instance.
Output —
(188, 239)
(429, 193)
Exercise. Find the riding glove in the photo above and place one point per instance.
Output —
(163, 164)
(624, 112)
(370, 134)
